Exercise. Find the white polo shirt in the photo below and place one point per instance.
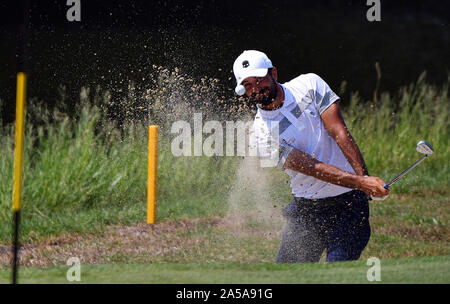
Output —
(298, 124)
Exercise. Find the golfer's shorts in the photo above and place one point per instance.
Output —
(339, 225)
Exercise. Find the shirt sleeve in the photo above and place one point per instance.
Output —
(323, 95)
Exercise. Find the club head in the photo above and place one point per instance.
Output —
(424, 147)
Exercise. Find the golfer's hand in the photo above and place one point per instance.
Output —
(373, 186)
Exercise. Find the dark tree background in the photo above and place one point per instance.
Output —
(118, 41)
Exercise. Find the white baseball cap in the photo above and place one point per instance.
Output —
(250, 64)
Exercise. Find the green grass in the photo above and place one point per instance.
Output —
(410, 270)
(79, 179)
(83, 172)
(402, 226)
(387, 132)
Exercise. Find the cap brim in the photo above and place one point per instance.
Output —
(253, 73)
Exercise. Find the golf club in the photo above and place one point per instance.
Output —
(423, 147)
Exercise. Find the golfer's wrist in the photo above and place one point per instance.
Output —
(361, 182)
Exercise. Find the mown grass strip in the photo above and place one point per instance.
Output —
(406, 271)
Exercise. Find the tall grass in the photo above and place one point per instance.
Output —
(82, 172)
(78, 177)
(387, 134)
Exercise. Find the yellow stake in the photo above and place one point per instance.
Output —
(20, 117)
(152, 179)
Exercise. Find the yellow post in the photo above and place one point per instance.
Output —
(152, 182)
(19, 132)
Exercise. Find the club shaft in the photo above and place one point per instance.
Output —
(406, 171)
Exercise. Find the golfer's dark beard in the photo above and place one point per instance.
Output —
(269, 99)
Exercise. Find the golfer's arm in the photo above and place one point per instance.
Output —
(335, 125)
(304, 163)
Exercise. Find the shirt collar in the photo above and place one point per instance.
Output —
(288, 99)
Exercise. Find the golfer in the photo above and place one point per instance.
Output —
(329, 179)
